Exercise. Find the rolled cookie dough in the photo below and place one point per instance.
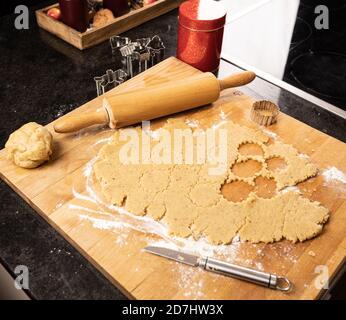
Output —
(29, 146)
(188, 199)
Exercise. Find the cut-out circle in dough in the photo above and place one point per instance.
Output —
(247, 168)
(236, 191)
(276, 163)
(250, 149)
(265, 187)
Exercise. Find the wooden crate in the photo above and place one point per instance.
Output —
(95, 36)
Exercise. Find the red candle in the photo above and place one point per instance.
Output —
(118, 7)
(74, 13)
(200, 33)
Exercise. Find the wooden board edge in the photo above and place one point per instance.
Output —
(58, 29)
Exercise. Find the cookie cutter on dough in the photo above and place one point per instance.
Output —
(109, 80)
(264, 112)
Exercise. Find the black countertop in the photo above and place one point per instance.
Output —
(44, 78)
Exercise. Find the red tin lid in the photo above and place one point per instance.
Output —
(202, 15)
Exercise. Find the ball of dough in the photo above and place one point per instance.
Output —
(30, 145)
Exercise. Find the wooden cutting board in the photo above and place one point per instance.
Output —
(117, 252)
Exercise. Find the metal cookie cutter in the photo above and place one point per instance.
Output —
(264, 112)
(123, 47)
(156, 49)
(143, 42)
(117, 43)
(109, 80)
(139, 55)
(135, 56)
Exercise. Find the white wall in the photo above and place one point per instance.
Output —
(259, 32)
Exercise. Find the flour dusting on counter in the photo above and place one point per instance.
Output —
(223, 115)
(290, 189)
(189, 283)
(334, 174)
(303, 156)
(269, 133)
(192, 123)
(102, 223)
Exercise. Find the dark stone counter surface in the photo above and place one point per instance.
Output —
(43, 78)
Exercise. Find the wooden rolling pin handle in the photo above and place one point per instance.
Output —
(237, 80)
(73, 123)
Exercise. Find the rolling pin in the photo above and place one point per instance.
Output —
(157, 101)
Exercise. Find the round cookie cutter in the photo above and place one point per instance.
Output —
(264, 112)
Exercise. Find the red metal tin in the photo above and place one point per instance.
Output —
(201, 24)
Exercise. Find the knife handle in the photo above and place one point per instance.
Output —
(247, 274)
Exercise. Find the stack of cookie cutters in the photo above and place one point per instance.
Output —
(136, 56)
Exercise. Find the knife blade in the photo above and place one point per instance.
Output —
(227, 269)
(183, 257)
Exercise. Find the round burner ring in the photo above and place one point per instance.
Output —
(321, 73)
(304, 28)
